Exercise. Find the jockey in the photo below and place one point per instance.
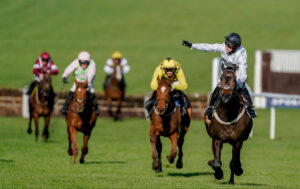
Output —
(42, 65)
(116, 59)
(168, 69)
(83, 68)
(232, 54)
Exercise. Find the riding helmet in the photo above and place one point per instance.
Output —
(233, 39)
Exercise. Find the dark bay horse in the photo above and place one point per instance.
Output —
(231, 124)
(41, 103)
(168, 122)
(81, 117)
(113, 91)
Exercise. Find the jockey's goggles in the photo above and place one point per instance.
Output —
(84, 62)
(170, 69)
(46, 60)
(229, 44)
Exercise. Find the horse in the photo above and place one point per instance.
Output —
(231, 123)
(41, 103)
(81, 117)
(113, 91)
(167, 121)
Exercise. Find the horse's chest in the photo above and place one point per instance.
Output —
(42, 110)
(166, 128)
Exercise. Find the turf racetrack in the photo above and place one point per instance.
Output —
(146, 32)
(120, 157)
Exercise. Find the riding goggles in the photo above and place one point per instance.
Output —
(84, 62)
(229, 44)
(170, 69)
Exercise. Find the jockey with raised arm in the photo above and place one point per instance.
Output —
(43, 64)
(232, 54)
(168, 69)
(116, 59)
(83, 68)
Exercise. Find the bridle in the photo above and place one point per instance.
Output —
(166, 106)
(76, 103)
(240, 115)
(167, 102)
(43, 92)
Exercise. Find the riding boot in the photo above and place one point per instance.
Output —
(179, 97)
(244, 91)
(95, 103)
(214, 96)
(65, 107)
(149, 104)
(31, 87)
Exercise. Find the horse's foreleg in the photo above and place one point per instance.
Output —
(29, 130)
(118, 109)
(46, 128)
(183, 131)
(109, 107)
(70, 150)
(36, 123)
(73, 133)
(156, 164)
(174, 141)
(84, 149)
(216, 162)
(235, 163)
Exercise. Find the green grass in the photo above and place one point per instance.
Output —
(120, 157)
(146, 32)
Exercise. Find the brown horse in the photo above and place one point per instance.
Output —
(230, 123)
(167, 121)
(113, 91)
(41, 103)
(81, 117)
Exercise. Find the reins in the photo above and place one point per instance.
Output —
(215, 114)
(167, 102)
(37, 98)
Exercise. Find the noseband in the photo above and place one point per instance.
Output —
(166, 102)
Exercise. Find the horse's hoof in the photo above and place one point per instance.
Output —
(231, 182)
(170, 159)
(70, 152)
(29, 131)
(238, 171)
(81, 160)
(218, 174)
(179, 164)
(85, 151)
(156, 166)
(45, 136)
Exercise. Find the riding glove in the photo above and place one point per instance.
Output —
(186, 43)
(65, 80)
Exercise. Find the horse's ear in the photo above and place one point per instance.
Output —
(234, 67)
(222, 67)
